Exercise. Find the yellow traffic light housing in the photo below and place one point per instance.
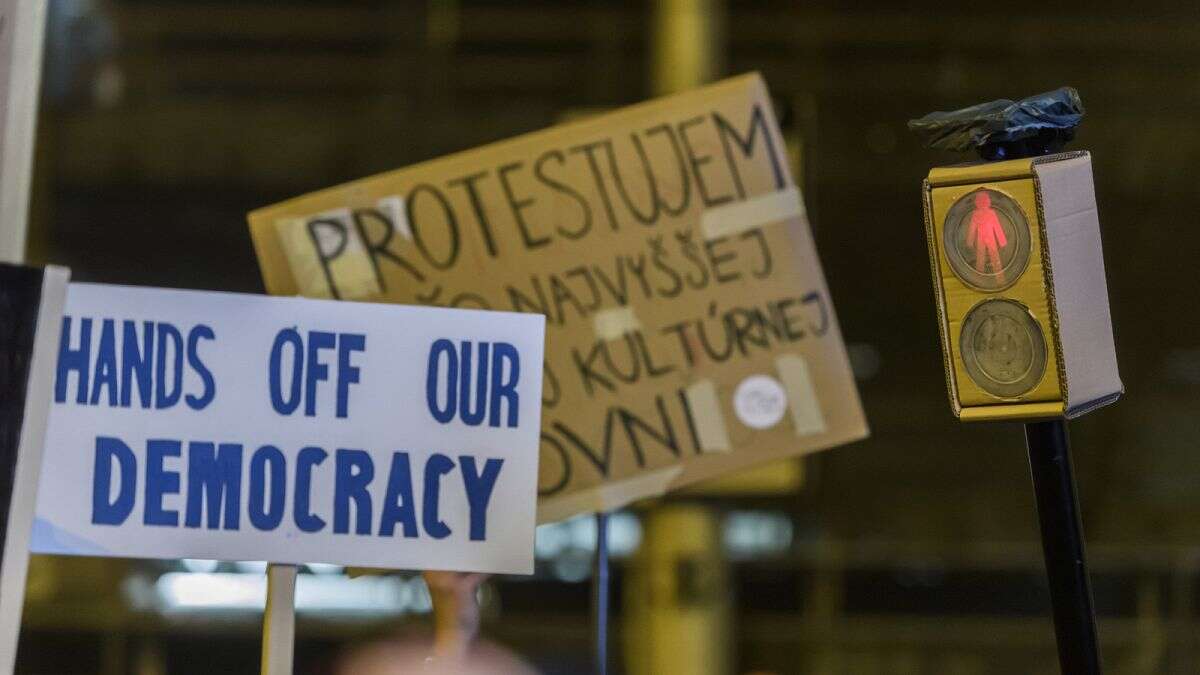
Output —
(1018, 274)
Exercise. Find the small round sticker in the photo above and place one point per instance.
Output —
(760, 401)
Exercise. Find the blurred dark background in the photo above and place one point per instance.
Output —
(913, 552)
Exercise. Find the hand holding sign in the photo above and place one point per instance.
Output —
(455, 613)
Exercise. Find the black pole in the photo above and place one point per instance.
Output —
(600, 593)
(1062, 545)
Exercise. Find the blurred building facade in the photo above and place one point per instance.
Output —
(913, 552)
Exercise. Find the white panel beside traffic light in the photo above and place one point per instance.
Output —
(1018, 274)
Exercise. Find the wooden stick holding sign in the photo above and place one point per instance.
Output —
(31, 306)
(455, 617)
(292, 431)
(279, 621)
(1014, 335)
(600, 593)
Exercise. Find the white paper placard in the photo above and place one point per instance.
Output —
(242, 427)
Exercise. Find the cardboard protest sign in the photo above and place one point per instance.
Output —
(690, 333)
(238, 427)
(31, 305)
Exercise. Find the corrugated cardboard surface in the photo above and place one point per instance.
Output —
(578, 220)
(1080, 288)
(1015, 179)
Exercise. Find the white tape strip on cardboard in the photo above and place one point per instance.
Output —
(735, 218)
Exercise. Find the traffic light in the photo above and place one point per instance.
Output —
(1018, 275)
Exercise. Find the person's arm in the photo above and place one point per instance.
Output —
(455, 613)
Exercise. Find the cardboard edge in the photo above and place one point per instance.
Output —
(1089, 406)
(1013, 412)
(1085, 402)
(278, 277)
(608, 496)
(1060, 363)
(31, 449)
(660, 482)
(752, 80)
(939, 298)
(849, 435)
(979, 172)
(272, 261)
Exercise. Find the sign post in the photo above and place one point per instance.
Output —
(22, 32)
(31, 306)
(600, 594)
(1063, 546)
(1021, 342)
(279, 621)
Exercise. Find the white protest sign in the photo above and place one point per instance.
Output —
(670, 251)
(237, 427)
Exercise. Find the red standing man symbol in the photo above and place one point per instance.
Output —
(986, 236)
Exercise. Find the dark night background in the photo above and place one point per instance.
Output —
(926, 532)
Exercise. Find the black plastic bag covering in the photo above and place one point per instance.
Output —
(1001, 121)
